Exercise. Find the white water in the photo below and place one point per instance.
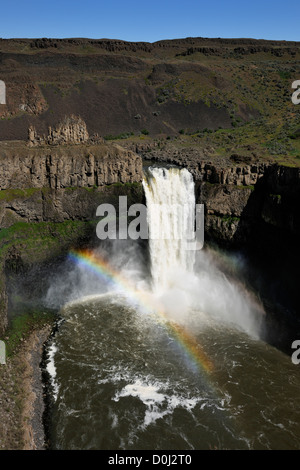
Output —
(51, 369)
(186, 280)
(170, 198)
(123, 381)
(188, 284)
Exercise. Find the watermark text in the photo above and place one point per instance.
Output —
(168, 222)
(2, 92)
(296, 94)
(296, 354)
(2, 353)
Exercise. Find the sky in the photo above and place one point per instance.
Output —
(151, 20)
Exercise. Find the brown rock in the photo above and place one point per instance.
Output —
(72, 130)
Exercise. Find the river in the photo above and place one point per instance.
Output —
(174, 360)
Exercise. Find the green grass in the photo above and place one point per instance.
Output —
(10, 194)
(249, 186)
(22, 326)
(39, 241)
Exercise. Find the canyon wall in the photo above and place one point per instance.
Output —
(241, 200)
(240, 197)
(49, 195)
(48, 201)
(252, 210)
(61, 167)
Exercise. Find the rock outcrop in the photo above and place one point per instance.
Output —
(252, 209)
(241, 200)
(238, 196)
(72, 130)
(70, 166)
(60, 205)
(49, 196)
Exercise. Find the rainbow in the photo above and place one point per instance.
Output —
(102, 268)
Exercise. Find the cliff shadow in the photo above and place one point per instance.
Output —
(268, 237)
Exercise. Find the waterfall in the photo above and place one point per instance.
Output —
(170, 200)
(180, 285)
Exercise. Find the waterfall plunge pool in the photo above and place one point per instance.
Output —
(171, 362)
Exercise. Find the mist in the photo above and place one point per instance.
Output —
(186, 285)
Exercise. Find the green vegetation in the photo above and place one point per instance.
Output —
(285, 74)
(251, 84)
(230, 220)
(275, 141)
(244, 186)
(276, 197)
(135, 184)
(15, 376)
(22, 326)
(10, 194)
(38, 241)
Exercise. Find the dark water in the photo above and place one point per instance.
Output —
(125, 382)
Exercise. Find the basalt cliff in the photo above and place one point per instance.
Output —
(50, 188)
(49, 196)
(81, 116)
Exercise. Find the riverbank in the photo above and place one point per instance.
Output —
(21, 395)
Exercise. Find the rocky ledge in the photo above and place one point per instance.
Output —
(50, 188)
(240, 194)
(66, 166)
(71, 130)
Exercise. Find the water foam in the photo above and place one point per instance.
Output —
(51, 369)
(153, 394)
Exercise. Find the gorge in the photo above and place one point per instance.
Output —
(98, 115)
(48, 221)
(248, 208)
(175, 358)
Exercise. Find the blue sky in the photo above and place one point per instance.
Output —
(150, 20)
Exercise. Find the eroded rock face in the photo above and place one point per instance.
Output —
(243, 199)
(72, 166)
(60, 205)
(204, 166)
(72, 130)
(53, 185)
